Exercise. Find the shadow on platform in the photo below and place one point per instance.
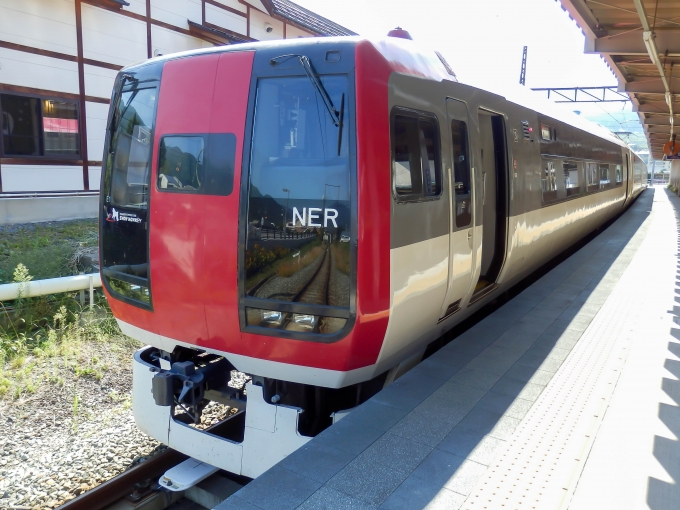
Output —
(510, 356)
(661, 494)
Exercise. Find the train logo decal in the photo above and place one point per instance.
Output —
(307, 218)
(113, 216)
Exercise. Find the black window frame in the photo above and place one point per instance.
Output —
(42, 156)
(399, 111)
(147, 75)
(262, 69)
(207, 190)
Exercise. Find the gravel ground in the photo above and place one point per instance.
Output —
(72, 434)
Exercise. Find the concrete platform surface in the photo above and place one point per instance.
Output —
(565, 397)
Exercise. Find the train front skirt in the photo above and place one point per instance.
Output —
(269, 432)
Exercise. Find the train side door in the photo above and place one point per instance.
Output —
(492, 206)
(629, 177)
(462, 207)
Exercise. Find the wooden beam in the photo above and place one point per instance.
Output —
(81, 88)
(631, 43)
(651, 86)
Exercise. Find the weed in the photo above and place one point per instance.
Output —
(17, 362)
(88, 372)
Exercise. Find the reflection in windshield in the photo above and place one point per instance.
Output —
(126, 192)
(298, 240)
(131, 157)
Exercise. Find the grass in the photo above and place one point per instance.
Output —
(290, 267)
(42, 339)
(43, 353)
(47, 250)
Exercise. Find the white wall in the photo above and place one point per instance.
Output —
(167, 41)
(97, 115)
(177, 12)
(294, 32)
(257, 27)
(99, 81)
(226, 19)
(257, 4)
(110, 37)
(234, 4)
(136, 6)
(45, 24)
(36, 71)
(94, 174)
(41, 178)
(28, 210)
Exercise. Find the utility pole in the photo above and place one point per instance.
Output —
(523, 72)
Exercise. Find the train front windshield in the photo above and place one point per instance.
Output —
(125, 187)
(298, 232)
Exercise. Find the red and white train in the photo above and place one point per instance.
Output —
(314, 213)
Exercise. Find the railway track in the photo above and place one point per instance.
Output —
(135, 486)
(138, 489)
(316, 289)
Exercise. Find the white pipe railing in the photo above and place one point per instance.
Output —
(11, 291)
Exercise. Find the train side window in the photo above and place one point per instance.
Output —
(429, 149)
(592, 177)
(199, 164)
(604, 176)
(549, 181)
(618, 176)
(416, 157)
(461, 172)
(572, 178)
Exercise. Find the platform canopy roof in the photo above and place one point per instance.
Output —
(640, 40)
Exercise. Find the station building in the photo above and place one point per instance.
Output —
(58, 61)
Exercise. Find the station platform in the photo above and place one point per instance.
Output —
(567, 396)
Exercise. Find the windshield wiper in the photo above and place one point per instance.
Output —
(307, 66)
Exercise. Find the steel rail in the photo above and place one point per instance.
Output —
(123, 484)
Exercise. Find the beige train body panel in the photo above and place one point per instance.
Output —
(419, 271)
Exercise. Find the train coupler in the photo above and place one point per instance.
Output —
(182, 385)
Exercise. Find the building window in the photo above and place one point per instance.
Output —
(39, 127)
(416, 156)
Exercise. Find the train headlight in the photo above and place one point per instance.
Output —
(304, 320)
(272, 317)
